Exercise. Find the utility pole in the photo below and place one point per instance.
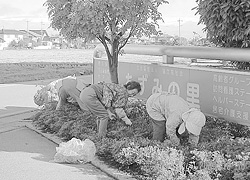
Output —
(41, 31)
(27, 31)
(27, 25)
(179, 21)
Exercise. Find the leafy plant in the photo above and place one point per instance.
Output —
(227, 23)
(112, 22)
(223, 152)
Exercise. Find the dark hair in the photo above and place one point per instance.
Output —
(133, 85)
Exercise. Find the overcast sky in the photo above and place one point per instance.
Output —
(32, 13)
(32, 10)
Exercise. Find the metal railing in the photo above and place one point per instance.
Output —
(168, 53)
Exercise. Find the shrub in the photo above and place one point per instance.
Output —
(223, 152)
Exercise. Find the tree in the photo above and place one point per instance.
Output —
(227, 23)
(112, 22)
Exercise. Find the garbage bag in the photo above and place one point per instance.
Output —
(75, 151)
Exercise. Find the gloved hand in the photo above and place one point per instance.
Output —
(127, 121)
(111, 115)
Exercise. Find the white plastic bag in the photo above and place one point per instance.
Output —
(75, 151)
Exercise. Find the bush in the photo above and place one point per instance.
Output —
(223, 152)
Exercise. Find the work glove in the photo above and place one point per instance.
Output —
(112, 116)
(127, 121)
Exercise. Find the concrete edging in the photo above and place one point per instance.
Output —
(17, 113)
(114, 173)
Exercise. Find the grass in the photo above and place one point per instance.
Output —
(33, 65)
(31, 71)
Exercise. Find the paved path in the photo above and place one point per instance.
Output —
(26, 155)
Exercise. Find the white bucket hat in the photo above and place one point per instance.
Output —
(194, 120)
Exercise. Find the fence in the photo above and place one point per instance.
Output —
(222, 93)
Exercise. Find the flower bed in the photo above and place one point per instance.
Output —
(223, 152)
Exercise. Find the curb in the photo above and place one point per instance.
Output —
(114, 173)
(18, 113)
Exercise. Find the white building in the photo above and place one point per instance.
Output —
(9, 35)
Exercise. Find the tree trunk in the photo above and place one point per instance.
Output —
(114, 74)
(112, 60)
(113, 63)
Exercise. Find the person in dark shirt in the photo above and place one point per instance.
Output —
(106, 100)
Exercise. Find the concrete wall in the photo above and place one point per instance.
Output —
(219, 93)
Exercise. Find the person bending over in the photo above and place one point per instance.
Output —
(69, 89)
(169, 112)
(106, 100)
(62, 90)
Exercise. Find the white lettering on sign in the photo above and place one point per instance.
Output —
(128, 77)
(245, 115)
(144, 68)
(248, 81)
(230, 96)
(177, 73)
(230, 112)
(174, 88)
(193, 93)
(142, 81)
(158, 87)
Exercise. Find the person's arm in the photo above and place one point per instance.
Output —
(122, 115)
(172, 123)
(107, 96)
(193, 139)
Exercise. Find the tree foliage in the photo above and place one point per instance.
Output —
(227, 21)
(112, 22)
(227, 24)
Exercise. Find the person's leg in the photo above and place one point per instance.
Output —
(68, 88)
(63, 95)
(159, 130)
(157, 119)
(91, 103)
(102, 124)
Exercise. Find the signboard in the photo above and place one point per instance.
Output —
(221, 93)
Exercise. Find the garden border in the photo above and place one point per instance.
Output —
(114, 173)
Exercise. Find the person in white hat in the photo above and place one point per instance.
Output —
(169, 112)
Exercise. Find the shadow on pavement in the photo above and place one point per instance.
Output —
(26, 140)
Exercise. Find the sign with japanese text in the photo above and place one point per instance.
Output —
(220, 93)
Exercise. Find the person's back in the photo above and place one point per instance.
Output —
(174, 103)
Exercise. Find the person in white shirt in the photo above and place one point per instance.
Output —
(169, 112)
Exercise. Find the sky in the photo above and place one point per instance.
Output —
(31, 14)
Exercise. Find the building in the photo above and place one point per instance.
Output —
(8, 35)
(36, 35)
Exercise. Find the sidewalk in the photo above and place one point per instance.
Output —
(26, 155)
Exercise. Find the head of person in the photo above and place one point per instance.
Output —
(133, 88)
(41, 96)
(193, 121)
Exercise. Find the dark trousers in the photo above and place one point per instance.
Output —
(159, 130)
